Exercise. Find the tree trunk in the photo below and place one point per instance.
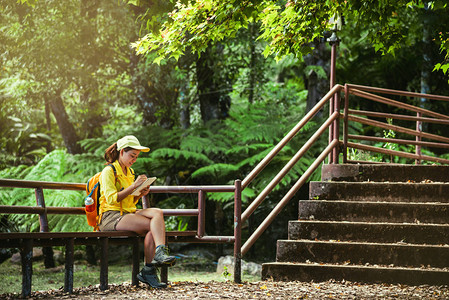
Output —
(66, 128)
(317, 86)
(208, 95)
(48, 122)
(184, 115)
(214, 104)
(252, 63)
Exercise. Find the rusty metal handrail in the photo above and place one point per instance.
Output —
(42, 210)
(256, 202)
(277, 209)
(398, 104)
(396, 92)
(82, 186)
(364, 92)
(15, 183)
(397, 116)
(397, 141)
(398, 128)
(331, 124)
(54, 210)
(289, 136)
(398, 153)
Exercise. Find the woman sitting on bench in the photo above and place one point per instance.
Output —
(118, 207)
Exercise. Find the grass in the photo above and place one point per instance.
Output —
(85, 275)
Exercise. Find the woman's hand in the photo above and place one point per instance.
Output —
(144, 192)
(139, 180)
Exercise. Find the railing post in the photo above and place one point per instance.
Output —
(418, 138)
(49, 261)
(336, 123)
(145, 202)
(201, 213)
(43, 221)
(333, 105)
(238, 231)
(331, 129)
(345, 125)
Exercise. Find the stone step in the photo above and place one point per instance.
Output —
(361, 211)
(436, 234)
(380, 173)
(368, 274)
(363, 253)
(375, 191)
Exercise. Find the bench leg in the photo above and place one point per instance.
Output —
(136, 260)
(104, 264)
(164, 274)
(27, 267)
(68, 279)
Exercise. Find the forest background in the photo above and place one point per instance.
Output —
(76, 75)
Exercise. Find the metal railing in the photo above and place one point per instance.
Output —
(331, 152)
(42, 210)
(367, 93)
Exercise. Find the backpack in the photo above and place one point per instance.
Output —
(93, 191)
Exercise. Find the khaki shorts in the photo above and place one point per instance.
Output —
(109, 220)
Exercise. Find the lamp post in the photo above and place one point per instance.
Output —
(334, 41)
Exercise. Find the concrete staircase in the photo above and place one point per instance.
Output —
(370, 223)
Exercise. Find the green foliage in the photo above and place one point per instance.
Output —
(57, 166)
(226, 274)
(444, 48)
(62, 61)
(288, 27)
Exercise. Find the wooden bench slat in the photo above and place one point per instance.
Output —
(181, 233)
(93, 234)
(59, 235)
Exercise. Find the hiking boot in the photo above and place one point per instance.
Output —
(162, 257)
(148, 275)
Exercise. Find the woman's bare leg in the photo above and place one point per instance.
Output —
(149, 247)
(157, 225)
(149, 223)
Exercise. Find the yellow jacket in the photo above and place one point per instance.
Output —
(110, 187)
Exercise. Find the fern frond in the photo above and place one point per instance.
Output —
(247, 193)
(215, 170)
(95, 146)
(177, 154)
(245, 149)
(253, 160)
(203, 144)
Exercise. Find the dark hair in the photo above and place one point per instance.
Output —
(112, 154)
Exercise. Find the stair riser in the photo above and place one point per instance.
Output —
(317, 273)
(380, 173)
(394, 192)
(373, 254)
(373, 212)
(369, 232)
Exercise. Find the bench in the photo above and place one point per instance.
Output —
(25, 241)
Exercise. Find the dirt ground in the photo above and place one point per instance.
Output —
(252, 290)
